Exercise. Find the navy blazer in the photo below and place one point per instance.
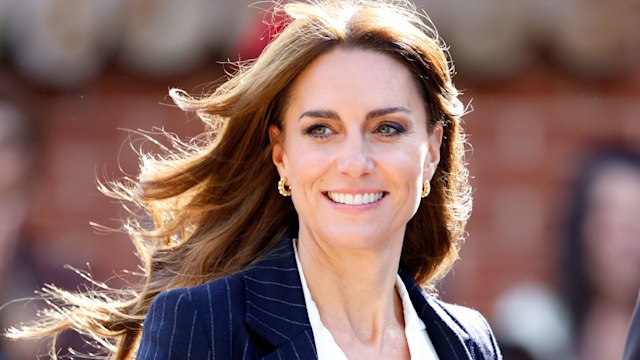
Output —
(260, 313)
(632, 346)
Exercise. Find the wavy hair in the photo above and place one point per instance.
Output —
(211, 205)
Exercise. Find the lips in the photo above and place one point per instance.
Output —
(355, 199)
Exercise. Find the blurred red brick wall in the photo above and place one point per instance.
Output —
(529, 137)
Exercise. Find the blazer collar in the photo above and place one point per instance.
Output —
(275, 306)
(447, 336)
(276, 309)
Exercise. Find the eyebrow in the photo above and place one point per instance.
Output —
(332, 115)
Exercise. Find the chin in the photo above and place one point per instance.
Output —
(359, 239)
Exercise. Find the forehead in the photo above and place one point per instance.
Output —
(364, 75)
(617, 183)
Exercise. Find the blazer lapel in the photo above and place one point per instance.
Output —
(275, 306)
(446, 335)
(276, 310)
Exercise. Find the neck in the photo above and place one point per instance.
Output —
(354, 290)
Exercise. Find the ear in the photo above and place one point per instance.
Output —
(277, 149)
(433, 152)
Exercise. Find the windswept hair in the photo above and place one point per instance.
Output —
(213, 203)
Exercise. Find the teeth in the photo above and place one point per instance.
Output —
(357, 199)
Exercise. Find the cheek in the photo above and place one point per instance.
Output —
(409, 159)
(404, 169)
(305, 163)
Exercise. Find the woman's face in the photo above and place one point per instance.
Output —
(355, 149)
(611, 231)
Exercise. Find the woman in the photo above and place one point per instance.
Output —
(323, 254)
(602, 252)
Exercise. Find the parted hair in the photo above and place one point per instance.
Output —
(211, 204)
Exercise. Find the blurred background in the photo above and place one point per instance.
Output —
(553, 253)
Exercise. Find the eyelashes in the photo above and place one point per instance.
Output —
(386, 129)
(390, 129)
(318, 130)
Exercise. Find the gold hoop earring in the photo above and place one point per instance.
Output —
(426, 188)
(283, 189)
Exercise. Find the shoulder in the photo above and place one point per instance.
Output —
(467, 318)
(219, 288)
(193, 321)
(218, 317)
(215, 299)
(226, 295)
(471, 326)
(458, 328)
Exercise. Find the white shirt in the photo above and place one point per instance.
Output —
(420, 346)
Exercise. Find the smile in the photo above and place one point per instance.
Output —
(354, 199)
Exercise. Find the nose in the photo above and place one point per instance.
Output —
(354, 159)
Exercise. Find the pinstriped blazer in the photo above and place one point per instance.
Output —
(260, 313)
(632, 346)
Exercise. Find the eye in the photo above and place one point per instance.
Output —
(390, 129)
(319, 130)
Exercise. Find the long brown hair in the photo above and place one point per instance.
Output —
(213, 203)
